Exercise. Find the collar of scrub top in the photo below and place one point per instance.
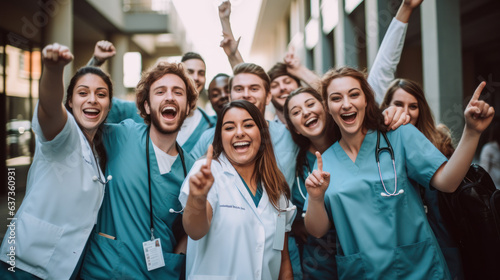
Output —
(388, 149)
(181, 155)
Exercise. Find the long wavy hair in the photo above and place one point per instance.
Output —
(374, 120)
(303, 142)
(439, 135)
(98, 143)
(266, 169)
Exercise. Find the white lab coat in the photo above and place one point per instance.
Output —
(60, 206)
(239, 244)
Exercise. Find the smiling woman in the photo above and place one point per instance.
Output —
(239, 200)
(65, 182)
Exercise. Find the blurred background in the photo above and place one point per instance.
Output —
(451, 46)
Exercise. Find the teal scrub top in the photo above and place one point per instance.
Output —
(122, 110)
(204, 124)
(318, 254)
(384, 237)
(125, 211)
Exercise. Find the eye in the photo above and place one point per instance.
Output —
(274, 85)
(255, 88)
(335, 98)
(101, 94)
(178, 92)
(228, 127)
(413, 107)
(249, 125)
(311, 104)
(82, 93)
(397, 104)
(354, 95)
(295, 112)
(237, 89)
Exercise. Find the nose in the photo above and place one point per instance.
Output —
(306, 112)
(239, 131)
(169, 95)
(195, 77)
(92, 98)
(346, 104)
(406, 109)
(246, 94)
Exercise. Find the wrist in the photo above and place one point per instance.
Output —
(97, 61)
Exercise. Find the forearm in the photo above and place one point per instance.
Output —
(309, 77)
(195, 218)
(286, 271)
(404, 13)
(51, 113)
(450, 175)
(235, 59)
(316, 219)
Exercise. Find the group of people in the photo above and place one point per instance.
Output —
(333, 188)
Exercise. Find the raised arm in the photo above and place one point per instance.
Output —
(52, 115)
(478, 115)
(316, 219)
(296, 68)
(198, 212)
(228, 43)
(103, 50)
(388, 56)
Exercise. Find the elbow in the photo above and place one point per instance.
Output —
(196, 236)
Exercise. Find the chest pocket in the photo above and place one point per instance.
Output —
(383, 201)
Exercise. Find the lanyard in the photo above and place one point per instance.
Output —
(181, 155)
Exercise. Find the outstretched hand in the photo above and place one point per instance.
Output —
(292, 62)
(412, 4)
(478, 114)
(201, 182)
(104, 50)
(56, 56)
(229, 45)
(318, 181)
(395, 117)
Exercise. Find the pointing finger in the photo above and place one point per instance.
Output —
(478, 91)
(209, 156)
(319, 160)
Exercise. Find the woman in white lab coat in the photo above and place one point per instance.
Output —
(237, 221)
(65, 182)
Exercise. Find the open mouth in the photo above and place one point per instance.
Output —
(169, 112)
(350, 117)
(311, 122)
(284, 96)
(91, 113)
(241, 146)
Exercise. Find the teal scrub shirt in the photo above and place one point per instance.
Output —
(125, 211)
(204, 124)
(122, 110)
(384, 237)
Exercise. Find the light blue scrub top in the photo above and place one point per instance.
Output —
(285, 149)
(125, 210)
(384, 237)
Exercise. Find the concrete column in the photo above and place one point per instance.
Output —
(116, 64)
(346, 51)
(378, 16)
(442, 63)
(60, 27)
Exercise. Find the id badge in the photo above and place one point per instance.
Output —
(279, 234)
(153, 254)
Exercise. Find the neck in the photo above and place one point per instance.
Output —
(246, 172)
(89, 135)
(351, 143)
(281, 116)
(323, 141)
(165, 142)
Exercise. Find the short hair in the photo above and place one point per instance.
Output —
(278, 70)
(155, 73)
(374, 120)
(266, 168)
(251, 68)
(191, 55)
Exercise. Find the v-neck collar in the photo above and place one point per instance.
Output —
(361, 156)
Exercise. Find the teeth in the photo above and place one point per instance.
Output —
(348, 115)
(285, 96)
(169, 108)
(309, 121)
(91, 111)
(239, 144)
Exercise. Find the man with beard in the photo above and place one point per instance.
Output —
(140, 206)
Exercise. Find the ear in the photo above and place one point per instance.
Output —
(269, 96)
(146, 107)
(70, 103)
(188, 109)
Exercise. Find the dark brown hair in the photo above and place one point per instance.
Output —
(266, 169)
(441, 138)
(374, 120)
(303, 142)
(155, 73)
(251, 68)
(97, 141)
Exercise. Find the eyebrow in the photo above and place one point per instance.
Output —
(174, 87)
(310, 98)
(232, 122)
(336, 92)
(87, 87)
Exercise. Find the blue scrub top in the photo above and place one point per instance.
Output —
(204, 124)
(122, 110)
(384, 237)
(125, 210)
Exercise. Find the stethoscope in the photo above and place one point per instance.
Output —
(389, 149)
(98, 178)
(297, 177)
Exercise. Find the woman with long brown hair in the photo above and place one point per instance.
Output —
(378, 214)
(237, 207)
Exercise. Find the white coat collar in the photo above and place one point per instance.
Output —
(229, 170)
